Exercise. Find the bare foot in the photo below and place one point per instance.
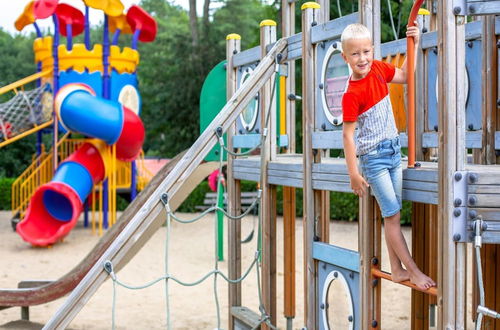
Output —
(400, 275)
(421, 280)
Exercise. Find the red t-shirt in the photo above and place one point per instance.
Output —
(361, 95)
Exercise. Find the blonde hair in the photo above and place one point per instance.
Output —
(355, 31)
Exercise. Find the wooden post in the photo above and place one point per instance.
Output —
(310, 15)
(289, 203)
(451, 70)
(369, 232)
(268, 209)
(490, 254)
(233, 46)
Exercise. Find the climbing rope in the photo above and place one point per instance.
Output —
(392, 20)
(167, 277)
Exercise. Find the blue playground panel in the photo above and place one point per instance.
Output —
(337, 264)
(473, 64)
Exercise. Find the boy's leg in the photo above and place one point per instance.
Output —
(397, 243)
(398, 273)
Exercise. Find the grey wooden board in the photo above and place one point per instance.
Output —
(279, 166)
(473, 139)
(484, 200)
(246, 57)
(393, 47)
(333, 139)
(246, 140)
(428, 172)
(426, 197)
(483, 7)
(488, 214)
(331, 186)
(486, 174)
(288, 182)
(472, 31)
(285, 174)
(497, 140)
(483, 189)
(331, 177)
(491, 237)
(420, 185)
(332, 29)
(246, 176)
(248, 319)
(294, 46)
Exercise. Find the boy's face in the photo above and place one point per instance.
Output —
(358, 53)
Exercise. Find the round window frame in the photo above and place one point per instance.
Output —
(249, 126)
(326, 287)
(334, 49)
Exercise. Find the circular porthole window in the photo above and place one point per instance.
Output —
(336, 303)
(248, 117)
(129, 97)
(335, 74)
(466, 87)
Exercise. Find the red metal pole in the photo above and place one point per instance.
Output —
(410, 66)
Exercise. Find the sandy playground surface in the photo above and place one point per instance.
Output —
(191, 256)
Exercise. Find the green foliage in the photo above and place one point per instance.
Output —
(5, 193)
(15, 157)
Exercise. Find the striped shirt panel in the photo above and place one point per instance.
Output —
(375, 125)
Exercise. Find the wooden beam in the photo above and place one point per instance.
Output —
(233, 46)
(310, 14)
(451, 275)
(267, 206)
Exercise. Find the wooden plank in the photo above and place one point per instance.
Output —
(423, 175)
(246, 176)
(473, 139)
(285, 166)
(327, 140)
(286, 183)
(336, 255)
(418, 249)
(331, 186)
(483, 189)
(332, 29)
(246, 57)
(483, 200)
(420, 196)
(285, 174)
(420, 185)
(330, 177)
(295, 47)
(487, 213)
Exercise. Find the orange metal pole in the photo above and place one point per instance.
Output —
(410, 66)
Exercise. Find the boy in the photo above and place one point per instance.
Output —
(366, 103)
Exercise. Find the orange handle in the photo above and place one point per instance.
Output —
(410, 69)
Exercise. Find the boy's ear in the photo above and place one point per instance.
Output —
(344, 57)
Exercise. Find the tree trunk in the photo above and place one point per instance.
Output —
(206, 23)
(193, 22)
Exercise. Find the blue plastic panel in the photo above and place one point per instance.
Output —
(473, 58)
(93, 80)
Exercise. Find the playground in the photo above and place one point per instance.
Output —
(238, 265)
(145, 309)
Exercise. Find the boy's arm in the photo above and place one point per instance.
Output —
(400, 75)
(358, 183)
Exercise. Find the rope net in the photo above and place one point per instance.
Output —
(24, 111)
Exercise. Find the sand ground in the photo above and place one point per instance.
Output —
(191, 255)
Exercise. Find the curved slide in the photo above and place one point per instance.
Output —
(56, 206)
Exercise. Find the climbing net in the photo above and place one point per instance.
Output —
(25, 110)
(216, 273)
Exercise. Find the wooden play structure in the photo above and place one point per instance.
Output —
(451, 177)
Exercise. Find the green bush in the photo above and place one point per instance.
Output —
(5, 193)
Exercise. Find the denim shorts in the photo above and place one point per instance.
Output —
(382, 169)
